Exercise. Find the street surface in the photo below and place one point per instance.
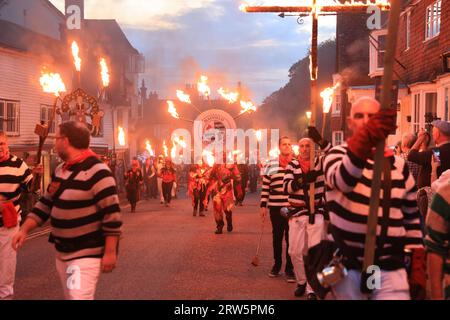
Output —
(166, 253)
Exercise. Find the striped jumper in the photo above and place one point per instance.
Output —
(86, 211)
(349, 181)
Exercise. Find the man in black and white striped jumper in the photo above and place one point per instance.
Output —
(348, 174)
(274, 198)
(306, 229)
(83, 207)
(15, 178)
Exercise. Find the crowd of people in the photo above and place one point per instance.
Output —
(412, 235)
(315, 201)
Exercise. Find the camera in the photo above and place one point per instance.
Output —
(332, 274)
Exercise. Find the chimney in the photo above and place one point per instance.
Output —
(79, 3)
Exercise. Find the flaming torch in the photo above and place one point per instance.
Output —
(172, 110)
(210, 160)
(184, 97)
(327, 97)
(149, 149)
(77, 60)
(121, 137)
(104, 72)
(51, 83)
(232, 97)
(202, 87)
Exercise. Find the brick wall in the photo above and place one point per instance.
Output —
(422, 60)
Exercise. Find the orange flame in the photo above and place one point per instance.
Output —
(173, 151)
(308, 114)
(149, 149)
(104, 72)
(247, 106)
(210, 160)
(76, 57)
(327, 97)
(183, 97)
(296, 149)
(232, 97)
(172, 110)
(52, 83)
(274, 153)
(258, 135)
(202, 87)
(243, 7)
(179, 142)
(121, 137)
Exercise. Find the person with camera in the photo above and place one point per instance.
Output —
(306, 227)
(274, 198)
(348, 174)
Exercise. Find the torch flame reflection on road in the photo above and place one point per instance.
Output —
(52, 83)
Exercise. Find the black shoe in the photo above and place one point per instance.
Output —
(274, 273)
(201, 214)
(300, 291)
(218, 231)
(290, 277)
(311, 296)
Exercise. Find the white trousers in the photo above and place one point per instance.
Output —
(8, 260)
(394, 286)
(302, 236)
(159, 182)
(79, 277)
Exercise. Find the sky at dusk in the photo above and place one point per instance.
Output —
(183, 39)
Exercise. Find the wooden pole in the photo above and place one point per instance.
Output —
(314, 92)
(369, 248)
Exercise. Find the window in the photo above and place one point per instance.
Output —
(433, 20)
(416, 115)
(9, 117)
(338, 138)
(408, 30)
(46, 114)
(377, 49)
(336, 105)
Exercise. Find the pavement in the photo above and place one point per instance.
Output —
(167, 254)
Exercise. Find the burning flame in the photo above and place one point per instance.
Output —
(104, 72)
(76, 57)
(148, 147)
(52, 83)
(173, 151)
(121, 137)
(274, 153)
(179, 142)
(296, 149)
(202, 87)
(232, 97)
(166, 150)
(247, 107)
(258, 135)
(210, 160)
(172, 110)
(183, 97)
(327, 96)
(308, 114)
(243, 7)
